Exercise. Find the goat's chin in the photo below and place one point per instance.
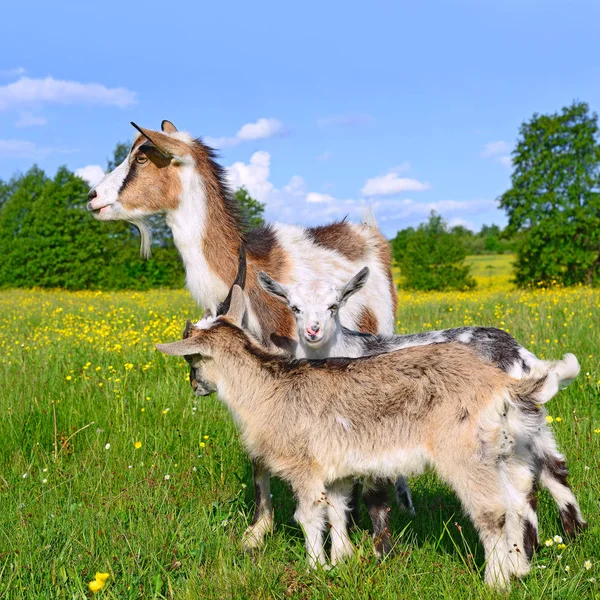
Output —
(313, 343)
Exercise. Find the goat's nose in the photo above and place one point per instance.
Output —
(194, 384)
(91, 196)
(315, 328)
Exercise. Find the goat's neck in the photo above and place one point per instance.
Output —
(242, 383)
(189, 222)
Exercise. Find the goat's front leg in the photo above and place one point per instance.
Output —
(338, 496)
(310, 515)
(262, 523)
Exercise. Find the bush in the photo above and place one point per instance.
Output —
(433, 258)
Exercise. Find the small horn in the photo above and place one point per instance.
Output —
(188, 329)
(240, 279)
(143, 132)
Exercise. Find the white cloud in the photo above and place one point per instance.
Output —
(27, 119)
(317, 198)
(12, 72)
(347, 119)
(495, 148)
(295, 203)
(27, 149)
(462, 222)
(27, 91)
(93, 174)
(498, 151)
(390, 184)
(253, 176)
(261, 129)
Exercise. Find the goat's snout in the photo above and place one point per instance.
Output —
(313, 329)
(92, 194)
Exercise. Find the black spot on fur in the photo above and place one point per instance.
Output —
(571, 522)
(557, 469)
(529, 539)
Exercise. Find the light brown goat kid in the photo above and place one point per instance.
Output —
(317, 424)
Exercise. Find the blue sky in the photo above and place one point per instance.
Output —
(318, 108)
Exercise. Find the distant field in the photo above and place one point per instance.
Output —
(491, 271)
(109, 463)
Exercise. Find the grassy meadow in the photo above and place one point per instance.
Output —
(108, 463)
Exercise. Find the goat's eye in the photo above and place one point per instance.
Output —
(141, 159)
(333, 307)
(295, 309)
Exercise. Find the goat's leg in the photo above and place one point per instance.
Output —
(554, 475)
(375, 494)
(480, 488)
(262, 523)
(403, 496)
(519, 484)
(338, 495)
(311, 514)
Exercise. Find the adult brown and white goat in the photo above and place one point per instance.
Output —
(170, 172)
(319, 423)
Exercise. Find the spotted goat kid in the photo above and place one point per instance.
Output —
(317, 424)
(316, 306)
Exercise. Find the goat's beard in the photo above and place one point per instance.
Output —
(145, 237)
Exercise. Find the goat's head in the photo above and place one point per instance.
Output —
(204, 341)
(150, 180)
(200, 382)
(315, 304)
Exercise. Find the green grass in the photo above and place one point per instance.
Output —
(79, 371)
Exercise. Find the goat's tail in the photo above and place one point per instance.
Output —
(539, 388)
(368, 218)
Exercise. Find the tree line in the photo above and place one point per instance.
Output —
(47, 238)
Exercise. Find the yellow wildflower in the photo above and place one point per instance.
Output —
(68, 378)
(202, 444)
(98, 583)
(205, 437)
(549, 419)
(561, 546)
(558, 419)
(549, 543)
(137, 445)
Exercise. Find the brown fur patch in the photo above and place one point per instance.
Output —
(367, 321)
(339, 237)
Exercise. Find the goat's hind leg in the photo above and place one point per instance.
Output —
(262, 523)
(375, 495)
(338, 495)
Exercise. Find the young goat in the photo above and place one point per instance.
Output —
(316, 306)
(317, 424)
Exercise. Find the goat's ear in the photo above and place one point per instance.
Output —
(187, 332)
(237, 309)
(163, 143)
(277, 290)
(168, 127)
(354, 285)
(187, 347)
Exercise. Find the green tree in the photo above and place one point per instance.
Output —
(251, 210)
(48, 239)
(434, 259)
(399, 244)
(554, 200)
